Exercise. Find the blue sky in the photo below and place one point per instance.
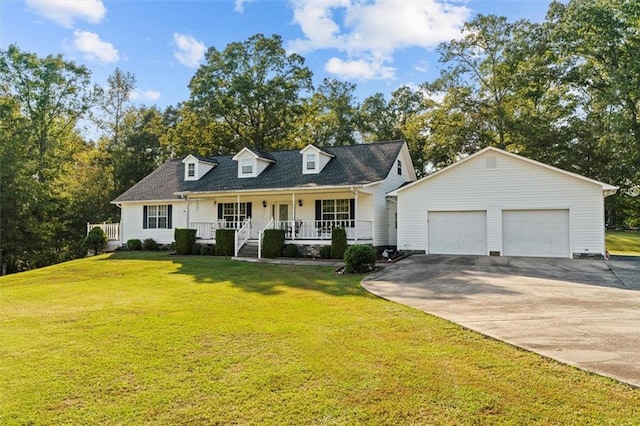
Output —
(378, 44)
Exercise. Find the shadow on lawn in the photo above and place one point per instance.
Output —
(266, 279)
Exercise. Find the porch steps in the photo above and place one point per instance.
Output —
(250, 249)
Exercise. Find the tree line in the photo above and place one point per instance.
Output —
(565, 91)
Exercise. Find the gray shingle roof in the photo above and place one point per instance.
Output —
(352, 165)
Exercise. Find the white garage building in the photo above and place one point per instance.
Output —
(501, 204)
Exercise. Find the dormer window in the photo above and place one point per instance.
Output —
(246, 165)
(311, 162)
(400, 167)
(314, 160)
(196, 167)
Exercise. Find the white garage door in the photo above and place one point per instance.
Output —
(457, 232)
(539, 233)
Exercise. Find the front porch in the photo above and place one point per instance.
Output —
(296, 231)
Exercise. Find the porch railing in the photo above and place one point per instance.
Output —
(321, 229)
(207, 230)
(242, 236)
(111, 230)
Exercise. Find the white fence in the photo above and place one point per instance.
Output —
(111, 230)
(321, 229)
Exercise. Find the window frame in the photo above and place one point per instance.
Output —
(191, 170)
(157, 216)
(247, 163)
(311, 158)
(399, 164)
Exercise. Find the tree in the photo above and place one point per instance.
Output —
(114, 104)
(336, 112)
(252, 90)
(42, 100)
(599, 42)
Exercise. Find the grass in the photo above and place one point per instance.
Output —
(154, 339)
(623, 242)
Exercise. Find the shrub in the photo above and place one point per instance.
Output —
(272, 243)
(338, 243)
(290, 250)
(205, 250)
(359, 259)
(225, 242)
(195, 249)
(95, 240)
(185, 239)
(325, 252)
(134, 244)
(150, 245)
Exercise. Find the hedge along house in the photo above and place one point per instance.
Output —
(498, 203)
(305, 192)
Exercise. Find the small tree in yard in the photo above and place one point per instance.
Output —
(359, 259)
(96, 240)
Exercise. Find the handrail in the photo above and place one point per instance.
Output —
(242, 236)
(260, 238)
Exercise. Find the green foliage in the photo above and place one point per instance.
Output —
(196, 249)
(290, 250)
(96, 240)
(255, 78)
(206, 250)
(185, 239)
(134, 244)
(272, 243)
(150, 245)
(338, 242)
(359, 259)
(325, 252)
(225, 242)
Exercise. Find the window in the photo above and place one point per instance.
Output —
(336, 210)
(157, 217)
(234, 213)
(191, 169)
(400, 167)
(246, 166)
(310, 162)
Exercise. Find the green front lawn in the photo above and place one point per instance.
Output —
(153, 339)
(623, 242)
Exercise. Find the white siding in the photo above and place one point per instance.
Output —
(131, 214)
(381, 219)
(514, 185)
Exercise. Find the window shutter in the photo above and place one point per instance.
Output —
(169, 216)
(144, 217)
(248, 209)
(220, 211)
(318, 210)
(352, 211)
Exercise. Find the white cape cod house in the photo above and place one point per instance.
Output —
(305, 192)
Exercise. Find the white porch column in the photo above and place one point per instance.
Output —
(237, 213)
(293, 215)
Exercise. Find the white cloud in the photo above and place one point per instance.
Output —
(93, 48)
(422, 66)
(147, 95)
(360, 69)
(374, 28)
(66, 12)
(189, 50)
(238, 5)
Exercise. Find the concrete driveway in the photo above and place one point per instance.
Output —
(585, 313)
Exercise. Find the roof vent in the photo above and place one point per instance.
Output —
(491, 162)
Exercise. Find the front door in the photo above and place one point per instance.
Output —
(282, 211)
